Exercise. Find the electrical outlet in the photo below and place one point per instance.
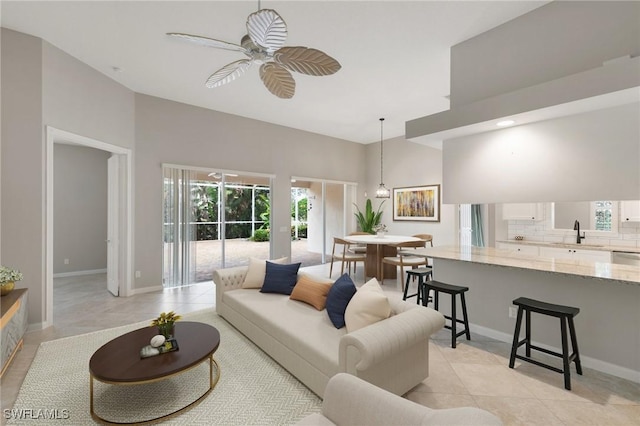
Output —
(513, 311)
(66, 261)
(138, 274)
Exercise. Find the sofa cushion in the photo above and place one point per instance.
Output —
(312, 291)
(369, 305)
(256, 272)
(296, 325)
(280, 278)
(338, 298)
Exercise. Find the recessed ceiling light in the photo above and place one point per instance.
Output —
(504, 123)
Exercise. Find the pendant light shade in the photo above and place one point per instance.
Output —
(382, 191)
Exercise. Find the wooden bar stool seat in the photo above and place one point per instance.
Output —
(566, 315)
(454, 291)
(423, 274)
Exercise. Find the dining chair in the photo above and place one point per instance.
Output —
(427, 238)
(405, 258)
(345, 256)
(358, 248)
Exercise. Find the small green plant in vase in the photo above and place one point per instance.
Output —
(165, 323)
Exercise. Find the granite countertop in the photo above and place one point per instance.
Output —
(491, 256)
(584, 246)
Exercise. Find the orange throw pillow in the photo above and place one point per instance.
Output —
(311, 291)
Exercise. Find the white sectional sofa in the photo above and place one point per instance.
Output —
(351, 401)
(392, 353)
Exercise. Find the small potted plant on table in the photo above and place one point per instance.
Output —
(8, 278)
(165, 323)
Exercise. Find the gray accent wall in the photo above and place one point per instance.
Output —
(79, 209)
(553, 41)
(172, 132)
(41, 85)
(22, 164)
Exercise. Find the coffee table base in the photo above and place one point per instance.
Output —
(212, 384)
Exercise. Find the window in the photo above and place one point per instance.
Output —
(603, 212)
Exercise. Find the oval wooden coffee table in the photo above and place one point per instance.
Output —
(118, 362)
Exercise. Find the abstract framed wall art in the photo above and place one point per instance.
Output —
(419, 203)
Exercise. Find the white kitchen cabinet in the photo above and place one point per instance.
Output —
(523, 249)
(522, 211)
(630, 211)
(576, 254)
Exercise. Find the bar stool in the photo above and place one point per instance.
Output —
(423, 274)
(566, 314)
(452, 290)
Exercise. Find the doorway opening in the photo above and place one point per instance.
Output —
(117, 246)
(320, 210)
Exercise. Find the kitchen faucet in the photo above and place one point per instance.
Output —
(576, 227)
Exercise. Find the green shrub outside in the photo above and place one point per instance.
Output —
(260, 235)
(302, 231)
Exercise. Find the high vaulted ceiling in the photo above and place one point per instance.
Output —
(394, 54)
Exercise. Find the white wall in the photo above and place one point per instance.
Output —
(79, 209)
(590, 156)
(408, 164)
(627, 234)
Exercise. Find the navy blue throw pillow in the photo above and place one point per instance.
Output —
(280, 278)
(338, 298)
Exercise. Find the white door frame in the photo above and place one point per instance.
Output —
(125, 250)
(113, 223)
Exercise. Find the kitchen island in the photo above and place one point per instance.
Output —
(608, 295)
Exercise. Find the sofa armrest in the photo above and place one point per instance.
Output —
(228, 279)
(387, 338)
(349, 400)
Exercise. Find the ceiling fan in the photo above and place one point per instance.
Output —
(264, 45)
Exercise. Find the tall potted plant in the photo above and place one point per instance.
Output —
(368, 219)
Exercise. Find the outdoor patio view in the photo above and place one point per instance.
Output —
(215, 220)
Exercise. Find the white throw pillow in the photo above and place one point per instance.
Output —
(257, 270)
(369, 305)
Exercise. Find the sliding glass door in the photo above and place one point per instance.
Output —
(320, 210)
(212, 219)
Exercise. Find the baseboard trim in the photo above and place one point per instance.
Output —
(593, 363)
(143, 290)
(80, 273)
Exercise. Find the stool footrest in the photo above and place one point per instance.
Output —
(457, 320)
(457, 334)
(547, 351)
(540, 364)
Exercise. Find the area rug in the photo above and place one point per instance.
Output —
(253, 389)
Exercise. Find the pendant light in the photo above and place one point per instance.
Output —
(382, 191)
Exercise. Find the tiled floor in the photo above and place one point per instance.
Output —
(476, 373)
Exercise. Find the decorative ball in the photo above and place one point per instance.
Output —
(157, 341)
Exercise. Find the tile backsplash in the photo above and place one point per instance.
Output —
(627, 235)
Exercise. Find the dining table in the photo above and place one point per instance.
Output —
(379, 246)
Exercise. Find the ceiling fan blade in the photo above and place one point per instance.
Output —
(306, 61)
(278, 80)
(228, 73)
(209, 42)
(267, 29)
